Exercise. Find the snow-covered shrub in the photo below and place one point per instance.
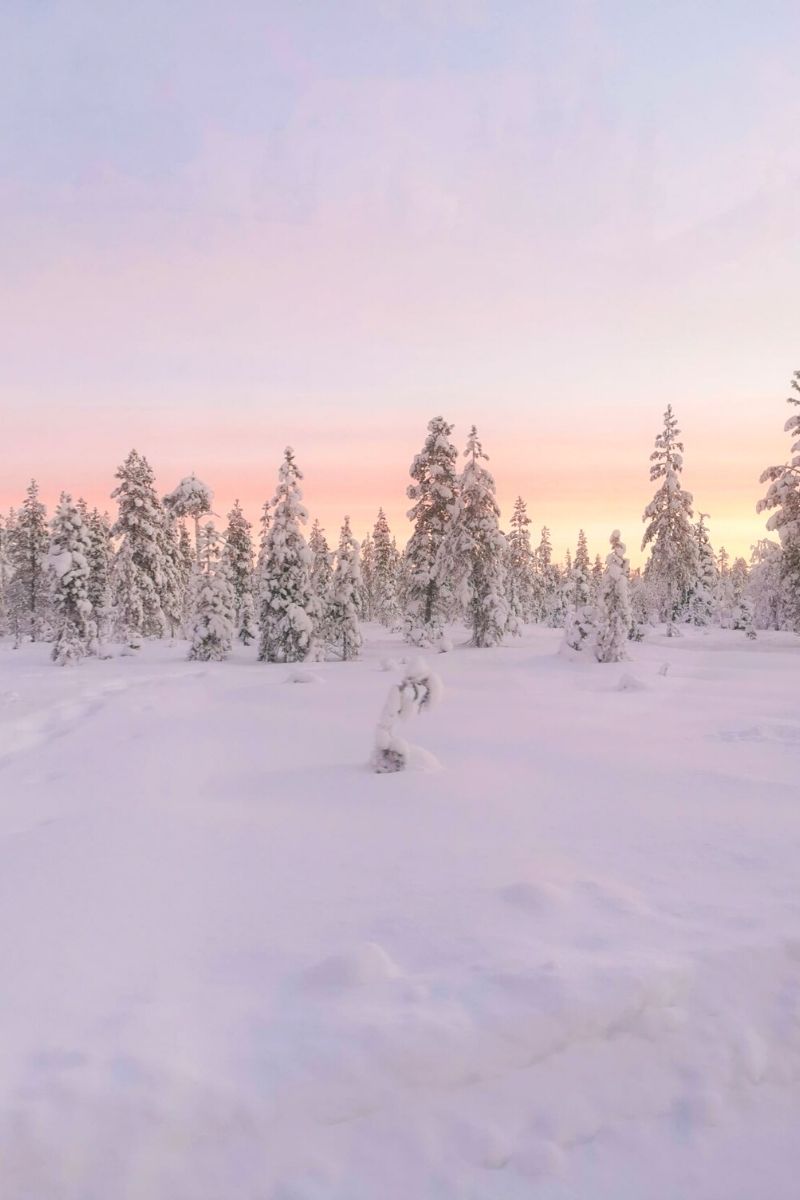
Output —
(419, 690)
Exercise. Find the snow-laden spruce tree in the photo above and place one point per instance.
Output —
(6, 525)
(579, 615)
(173, 593)
(287, 601)
(434, 492)
(29, 543)
(214, 620)
(68, 559)
(672, 565)
(321, 581)
(140, 528)
(520, 579)
(547, 584)
(768, 587)
(613, 615)
(193, 499)
(782, 501)
(99, 584)
(386, 604)
(238, 555)
(367, 589)
(703, 594)
(343, 630)
(479, 549)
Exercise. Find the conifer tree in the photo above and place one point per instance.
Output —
(343, 631)
(767, 587)
(69, 552)
(187, 566)
(520, 581)
(367, 589)
(579, 615)
(783, 502)
(140, 527)
(613, 618)
(702, 598)
(172, 584)
(321, 581)
(28, 548)
(238, 554)
(99, 583)
(214, 615)
(287, 602)
(128, 609)
(672, 566)
(479, 549)
(434, 492)
(193, 499)
(547, 582)
(385, 573)
(6, 527)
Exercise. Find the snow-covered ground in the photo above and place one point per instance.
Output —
(237, 964)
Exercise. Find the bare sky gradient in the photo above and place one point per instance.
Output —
(228, 226)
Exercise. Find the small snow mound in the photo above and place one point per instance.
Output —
(419, 759)
(303, 676)
(539, 1157)
(631, 683)
(444, 646)
(534, 897)
(390, 664)
(363, 965)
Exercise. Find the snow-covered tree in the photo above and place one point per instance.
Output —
(6, 574)
(287, 601)
(173, 595)
(29, 542)
(419, 691)
(547, 584)
(613, 617)
(782, 501)
(767, 587)
(703, 593)
(386, 603)
(99, 583)
(193, 499)
(478, 552)
(140, 528)
(238, 555)
(321, 581)
(214, 616)
(579, 616)
(434, 492)
(343, 631)
(70, 548)
(520, 579)
(367, 591)
(672, 566)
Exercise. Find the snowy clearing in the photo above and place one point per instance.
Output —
(239, 964)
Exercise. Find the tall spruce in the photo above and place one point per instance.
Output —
(29, 543)
(69, 553)
(343, 630)
(386, 604)
(140, 528)
(703, 595)
(479, 549)
(613, 619)
(193, 499)
(321, 581)
(782, 501)
(672, 565)
(287, 602)
(521, 573)
(434, 492)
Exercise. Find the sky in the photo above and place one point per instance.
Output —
(229, 227)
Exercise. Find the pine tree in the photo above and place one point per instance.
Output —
(767, 587)
(28, 548)
(6, 528)
(321, 581)
(479, 549)
(238, 554)
(783, 501)
(367, 588)
(520, 580)
(385, 573)
(597, 577)
(193, 499)
(140, 526)
(702, 598)
(187, 567)
(99, 583)
(434, 492)
(173, 573)
(344, 634)
(287, 602)
(613, 618)
(70, 548)
(672, 566)
(214, 616)
(129, 611)
(547, 583)
(579, 614)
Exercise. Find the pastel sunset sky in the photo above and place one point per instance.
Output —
(229, 226)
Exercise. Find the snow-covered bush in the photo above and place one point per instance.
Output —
(419, 690)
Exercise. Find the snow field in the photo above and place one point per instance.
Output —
(238, 963)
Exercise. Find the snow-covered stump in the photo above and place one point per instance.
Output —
(421, 689)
